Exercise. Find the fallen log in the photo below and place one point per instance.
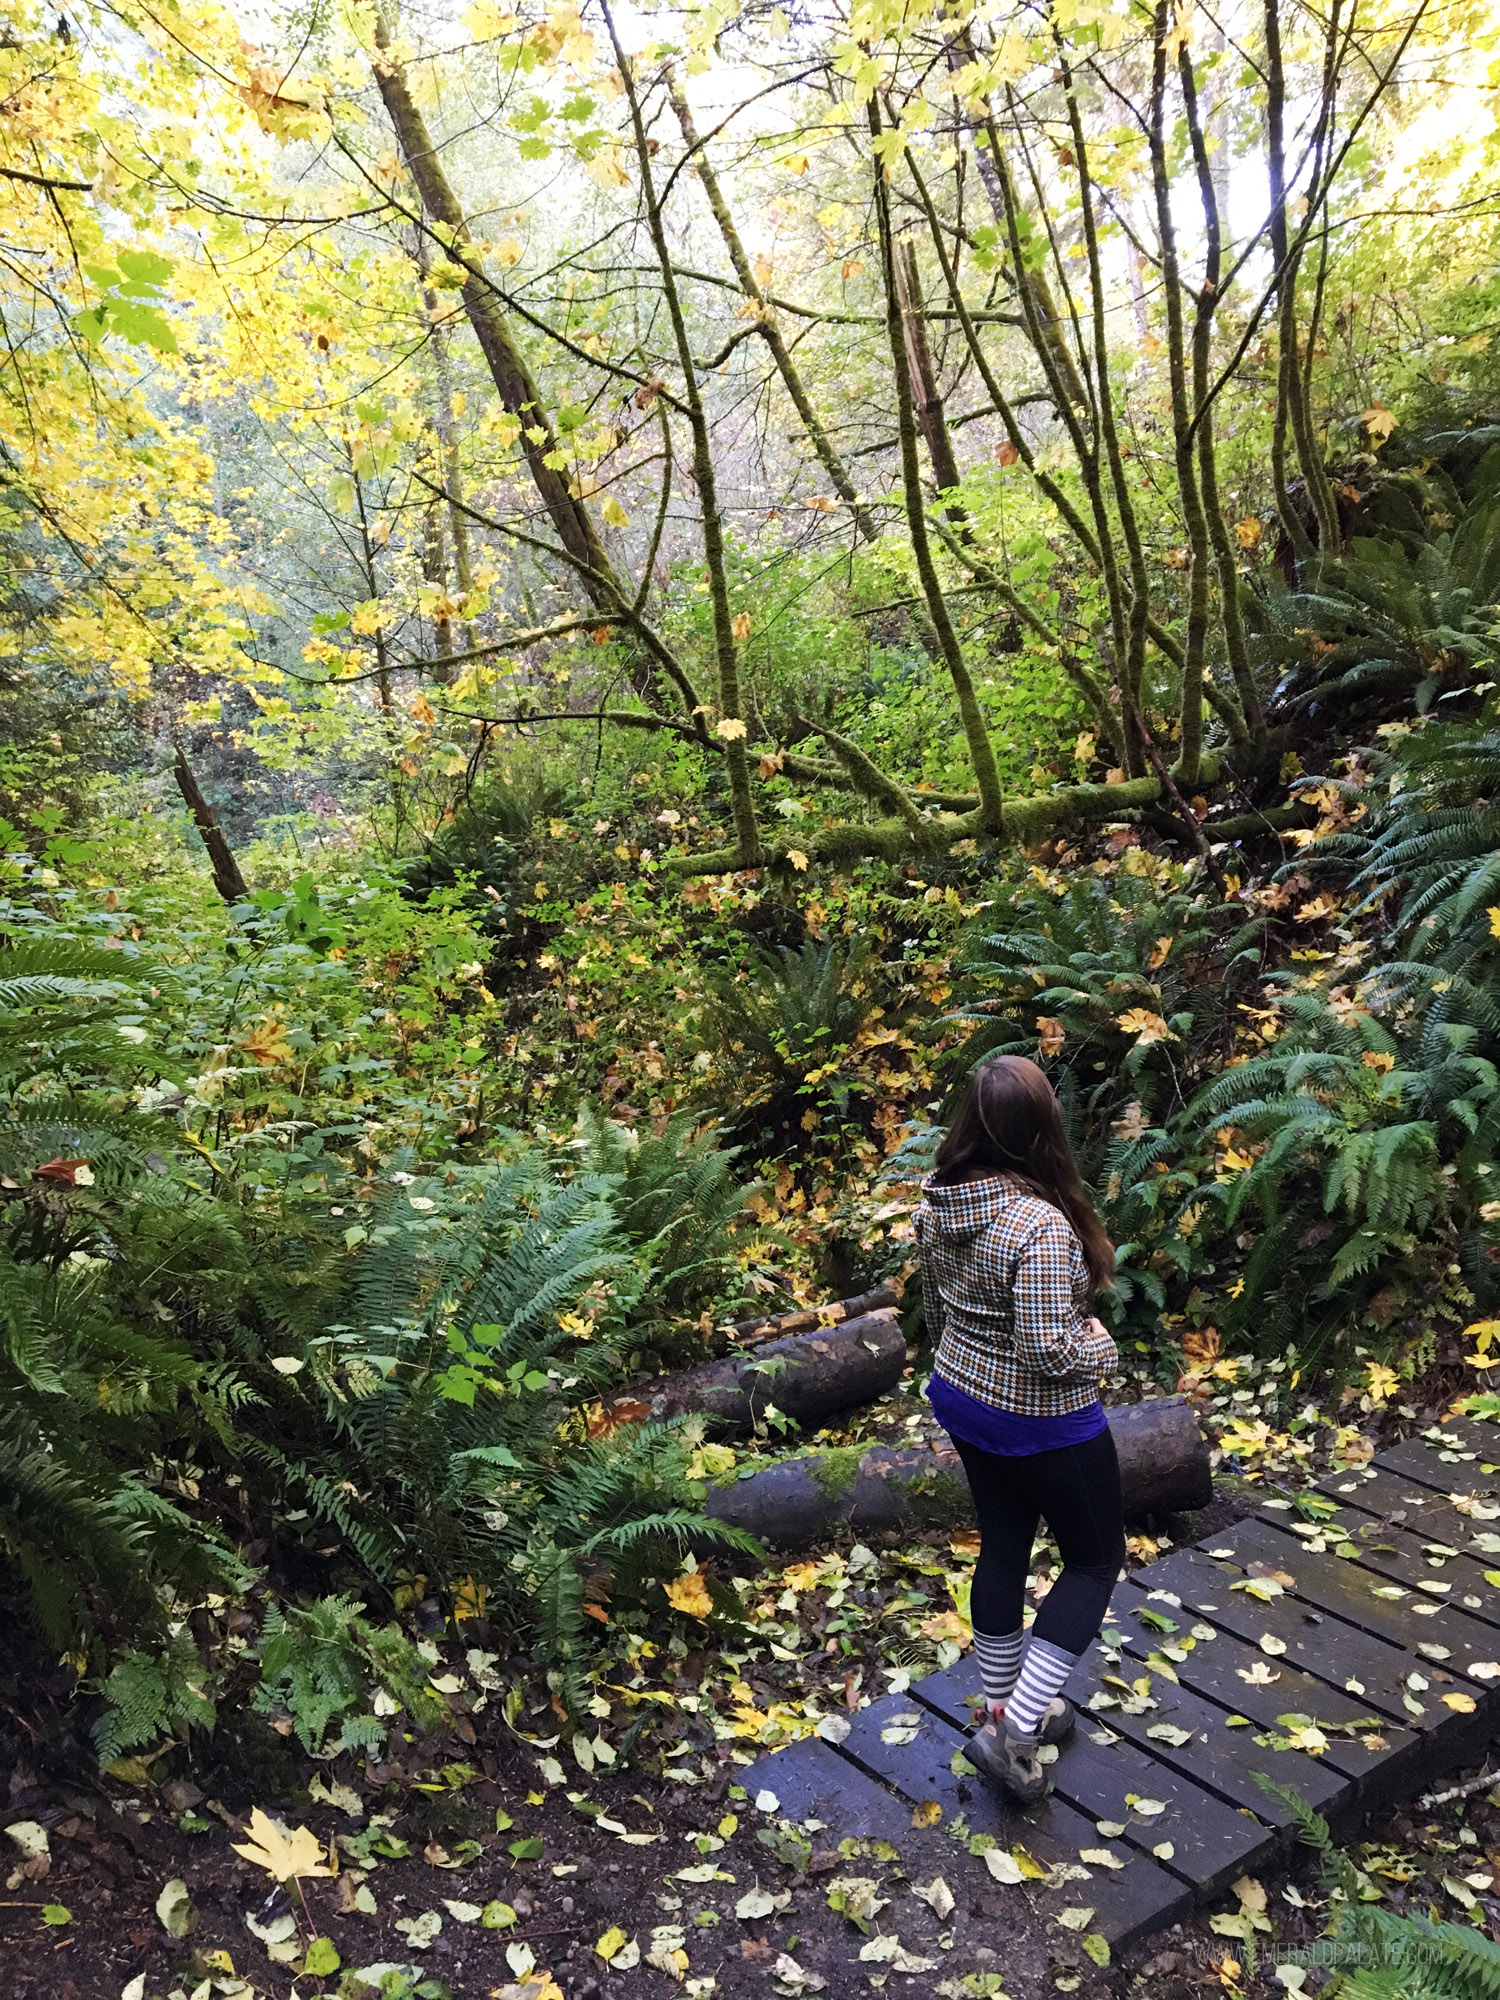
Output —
(806, 1318)
(809, 1377)
(886, 1489)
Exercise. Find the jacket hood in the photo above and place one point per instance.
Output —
(963, 1210)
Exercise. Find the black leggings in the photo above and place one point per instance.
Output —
(1076, 1490)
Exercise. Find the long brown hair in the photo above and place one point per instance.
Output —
(1009, 1122)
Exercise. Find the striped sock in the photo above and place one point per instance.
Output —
(999, 1656)
(1042, 1676)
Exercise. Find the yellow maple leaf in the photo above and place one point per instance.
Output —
(267, 1045)
(731, 729)
(280, 1853)
(1378, 423)
(1183, 31)
(1144, 1025)
(798, 859)
(1382, 1381)
(689, 1594)
(1493, 913)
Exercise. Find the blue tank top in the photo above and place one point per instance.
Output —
(1008, 1433)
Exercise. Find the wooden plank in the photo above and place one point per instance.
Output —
(1407, 1541)
(1351, 1592)
(1321, 1646)
(1128, 1901)
(811, 1781)
(1212, 1842)
(1217, 1669)
(1224, 1761)
(1451, 1468)
(1470, 1434)
(1421, 1510)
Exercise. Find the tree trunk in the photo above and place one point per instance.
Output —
(807, 1377)
(512, 379)
(927, 401)
(800, 1502)
(228, 880)
(817, 433)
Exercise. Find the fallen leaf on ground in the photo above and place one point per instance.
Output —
(282, 1854)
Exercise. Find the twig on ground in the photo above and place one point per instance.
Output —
(1479, 1784)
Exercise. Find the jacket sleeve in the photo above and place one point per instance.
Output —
(932, 1298)
(1052, 1335)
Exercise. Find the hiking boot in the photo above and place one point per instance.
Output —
(1011, 1761)
(1059, 1719)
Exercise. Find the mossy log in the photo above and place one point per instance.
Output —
(809, 1377)
(1164, 1468)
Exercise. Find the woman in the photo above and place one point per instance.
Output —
(1011, 1253)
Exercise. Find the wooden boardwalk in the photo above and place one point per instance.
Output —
(1346, 1644)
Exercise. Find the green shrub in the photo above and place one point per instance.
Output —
(776, 1030)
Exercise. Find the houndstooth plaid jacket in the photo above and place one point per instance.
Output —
(1005, 1290)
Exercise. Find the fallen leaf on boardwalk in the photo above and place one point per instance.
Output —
(928, 1813)
(1483, 1670)
(1463, 1703)
(1076, 1918)
(1099, 1857)
(1147, 1808)
(1164, 1850)
(282, 1854)
(1168, 1732)
(1004, 1867)
(1269, 1643)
